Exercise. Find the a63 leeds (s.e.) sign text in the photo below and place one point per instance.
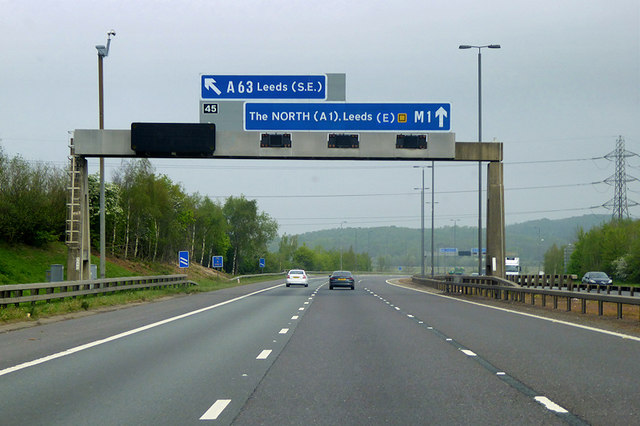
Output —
(231, 87)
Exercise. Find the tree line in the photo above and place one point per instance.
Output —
(32, 201)
(291, 255)
(150, 218)
(612, 247)
(147, 216)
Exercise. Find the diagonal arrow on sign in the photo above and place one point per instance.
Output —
(441, 113)
(209, 84)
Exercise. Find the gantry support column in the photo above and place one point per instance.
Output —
(495, 220)
(77, 239)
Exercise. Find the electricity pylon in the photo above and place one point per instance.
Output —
(620, 204)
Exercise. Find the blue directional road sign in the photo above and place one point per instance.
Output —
(347, 117)
(261, 262)
(217, 261)
(183, 259)
(449, 251)
(263, 86)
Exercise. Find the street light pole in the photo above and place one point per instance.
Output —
(433, 168)
(422, 218)
(455, 246)
(341, 223)
(490, 46)
(422, 226)
(103, 52)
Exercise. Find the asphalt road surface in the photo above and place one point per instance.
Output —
(267, 354)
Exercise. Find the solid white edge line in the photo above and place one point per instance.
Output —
(215, 410)
(125, 334)
(550, 405)
(264, 354)
(585, 327)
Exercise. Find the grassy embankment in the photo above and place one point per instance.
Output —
(24, 264)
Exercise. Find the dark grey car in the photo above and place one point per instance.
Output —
(341, 279)
(597, 278)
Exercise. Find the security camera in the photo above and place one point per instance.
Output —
(111, 33)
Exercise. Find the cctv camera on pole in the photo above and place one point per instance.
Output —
(102, 53)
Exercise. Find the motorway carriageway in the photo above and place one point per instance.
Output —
(267, 354)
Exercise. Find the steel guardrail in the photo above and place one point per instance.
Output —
(492, 287)
(14, 294)
(571, 283)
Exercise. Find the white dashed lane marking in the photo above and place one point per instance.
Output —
(550, 405)
(215, 410)
(544, 401)
(264, 354)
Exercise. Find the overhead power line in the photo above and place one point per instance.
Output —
(569, 185)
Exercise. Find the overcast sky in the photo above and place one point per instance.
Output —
(563, 87)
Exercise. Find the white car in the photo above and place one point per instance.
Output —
(297, 277)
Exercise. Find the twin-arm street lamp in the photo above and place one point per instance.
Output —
(488, 46)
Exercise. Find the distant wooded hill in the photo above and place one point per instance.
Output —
(395, 246)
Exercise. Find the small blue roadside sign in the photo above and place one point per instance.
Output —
(183, 259)
(217, 261)
(474, 251)
(261, 262)
(263, 86)
(347, 117)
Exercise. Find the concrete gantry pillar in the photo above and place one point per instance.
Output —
(78, 241)
(495, 242)
(495, 220)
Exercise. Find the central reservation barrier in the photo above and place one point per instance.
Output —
(500, 289)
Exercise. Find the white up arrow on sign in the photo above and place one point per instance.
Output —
(441, 113)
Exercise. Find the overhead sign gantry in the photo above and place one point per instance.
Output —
(306, 117)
